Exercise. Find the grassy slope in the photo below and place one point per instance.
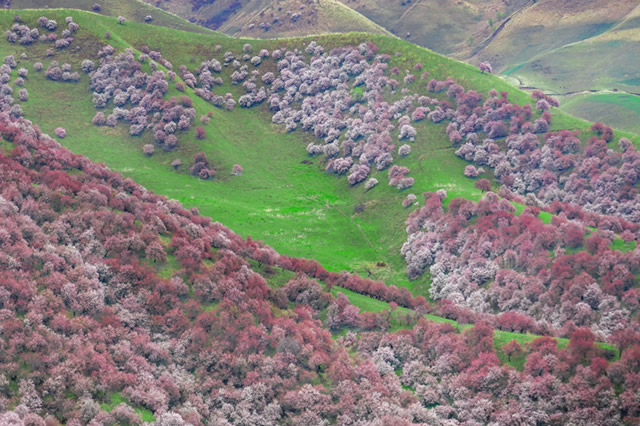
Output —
(292, 206)
(608, 61)
(552, 24)
(500, 338)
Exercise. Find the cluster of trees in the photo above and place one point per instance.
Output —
(596, 178)
(314, 90)
(459, 377)
(534, 162)
(119, 79)
(204, 80)
(533, 276)
(201, 167)
(57, 72)
(21, 33)
(6, 100)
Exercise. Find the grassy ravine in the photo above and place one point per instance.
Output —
(500, 338)
(277, 278)
(294, 207)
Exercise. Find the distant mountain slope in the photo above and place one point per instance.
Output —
(442, 25)
(551, 25)
(271, 19)
(586, 48)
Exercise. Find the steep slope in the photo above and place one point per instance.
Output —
(283, 201)
(509, 35)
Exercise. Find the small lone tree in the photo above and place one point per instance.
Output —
(512, 349)
(99, 119)
(485, 67)
(237, 170)
(542, 105)
(411, 198)
(483, 185)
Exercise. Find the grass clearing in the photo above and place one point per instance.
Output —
(117, 398)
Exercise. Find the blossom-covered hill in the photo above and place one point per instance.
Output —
(93, 331)
(121, 306)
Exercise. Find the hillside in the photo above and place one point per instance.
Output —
(547, 26)
(361, 153)
(448, 27)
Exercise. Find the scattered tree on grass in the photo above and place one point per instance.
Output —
(485, 67)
